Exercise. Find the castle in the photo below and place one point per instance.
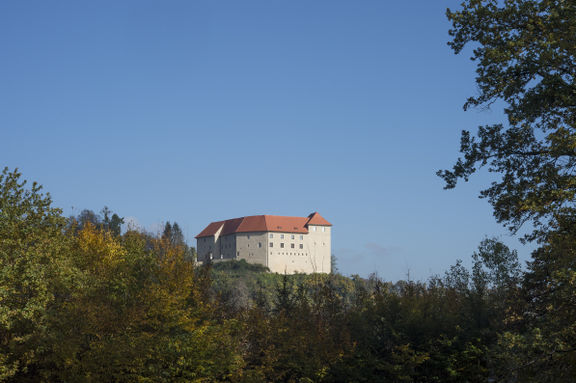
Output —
(283, 244)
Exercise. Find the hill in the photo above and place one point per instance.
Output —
(241, 285)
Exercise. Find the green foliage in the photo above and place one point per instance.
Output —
(139, 315)
(81, 303)
(329, 328)
(546, 351)
(113, 223)
(495, 266)
(240, 285)
(32, 271)
(239, 268)
(334, 265)
(107, 221)
(525, 52)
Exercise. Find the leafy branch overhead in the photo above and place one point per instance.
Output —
(525, 52)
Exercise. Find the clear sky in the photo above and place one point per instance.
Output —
(197, 111)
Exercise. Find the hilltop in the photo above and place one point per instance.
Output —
(241, 285)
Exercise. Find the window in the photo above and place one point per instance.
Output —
(282, 245)
(259, 244)
(271, 235)
(271, 244)
(292, 236)
(313, 228)
(281, 236)
(301, 246)
(292, 245)
(301, 237)
(323, 229)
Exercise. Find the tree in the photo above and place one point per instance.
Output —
(525, 52)
(546, 352)
(31, 272)
(496, 267)
(111, 221)
(136, 314)
(173, 234)
(334, 264)
(88, 217)
(116, 223)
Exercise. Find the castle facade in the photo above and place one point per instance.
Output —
(283, 244)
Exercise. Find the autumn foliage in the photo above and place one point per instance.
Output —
(80, 302)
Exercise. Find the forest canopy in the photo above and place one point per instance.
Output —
(82, 302)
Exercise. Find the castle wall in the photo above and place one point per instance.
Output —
(300, 253)
(227, 246)
(281, 252)
(251, 247)
(320, 248)
(208, 247)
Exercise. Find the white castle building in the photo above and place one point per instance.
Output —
(283, 244)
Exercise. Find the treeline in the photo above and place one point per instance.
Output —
(108, 221)
(81, 302)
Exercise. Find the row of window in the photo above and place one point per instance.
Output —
(249, 254)
(292, 236)
(282, 245)
(228, 246)
(292, 245)
(287, 253)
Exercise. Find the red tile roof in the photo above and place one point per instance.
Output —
(317, 219)
(260, 223)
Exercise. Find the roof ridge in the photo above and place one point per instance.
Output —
(264, 223)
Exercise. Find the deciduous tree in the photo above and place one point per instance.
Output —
(32, 268)
(525, 52)
(526, 61)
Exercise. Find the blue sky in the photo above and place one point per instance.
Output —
(196, 111)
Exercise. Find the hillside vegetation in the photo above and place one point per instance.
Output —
(82, 302)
